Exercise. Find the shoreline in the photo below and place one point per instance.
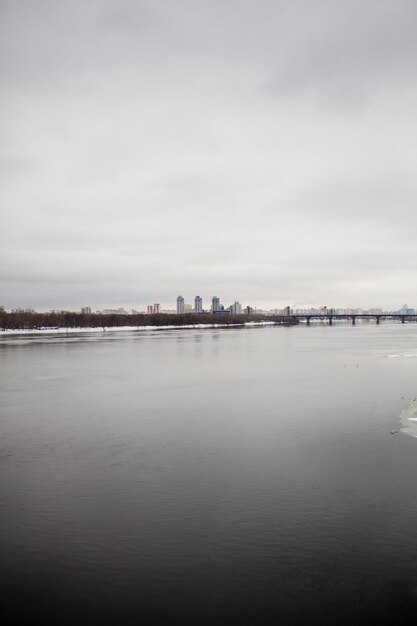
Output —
(95, 329)
(65, 330)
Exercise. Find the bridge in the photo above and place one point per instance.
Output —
(329, 317)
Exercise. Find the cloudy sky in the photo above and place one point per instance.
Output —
(258, 150)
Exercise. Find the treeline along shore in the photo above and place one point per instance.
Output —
(27, 320)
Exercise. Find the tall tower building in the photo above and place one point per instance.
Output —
(198, 304)
(215, 304)
(157, 308)
(180, 305)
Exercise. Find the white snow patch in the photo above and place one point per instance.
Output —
(56, 331)
(409, 419)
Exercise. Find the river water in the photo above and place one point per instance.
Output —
(237, 476)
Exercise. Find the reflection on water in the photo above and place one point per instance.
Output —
(245, 476)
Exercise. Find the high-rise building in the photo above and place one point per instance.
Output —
(215, 304)
(157, 308)
(198, 304)
(236, 308)
(86, 310)
(180, 305)
(150, 309)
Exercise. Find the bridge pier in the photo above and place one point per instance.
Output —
(308, 321)
(402, 319)
(377, 321)
(330, 321)
(353, 320)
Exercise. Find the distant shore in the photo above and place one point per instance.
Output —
(95, 329)
(29, 321)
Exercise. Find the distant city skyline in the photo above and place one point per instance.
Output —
(206, 303)
(235, 308)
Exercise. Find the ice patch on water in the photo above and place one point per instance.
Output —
(401, 356)
(409, 419)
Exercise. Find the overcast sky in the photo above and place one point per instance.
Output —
(258, 150)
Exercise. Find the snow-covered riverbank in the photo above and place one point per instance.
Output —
(55, 331)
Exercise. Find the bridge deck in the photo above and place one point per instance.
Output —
(345, 316)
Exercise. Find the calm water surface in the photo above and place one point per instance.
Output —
(242, 476)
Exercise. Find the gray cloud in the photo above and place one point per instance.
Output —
(347, 52)
(263, 151)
